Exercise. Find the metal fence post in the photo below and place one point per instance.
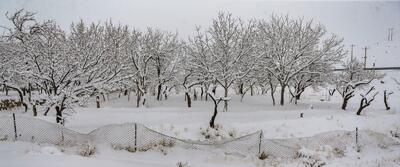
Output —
(62, 136)
(357, 146)
(135, 137)
(15, 127)
(259, 144)
(356, 135)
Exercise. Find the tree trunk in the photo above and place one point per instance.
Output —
(159, 92)
(225, 101)
(282, 95)
(273, 89)
(144, 99)
(201, 93)
(298, 96)
(385, 100)
(104, 97)
(34, 110)
(251, 90)
(362, 106)
(30, 92)
(5, 89)
(138, 97)
(59, 114)
(194, 94)
(273, 98)
(188, 100)
(344, 104)
(212, 121)
(97, 101)
(241, 88)
(206, 91)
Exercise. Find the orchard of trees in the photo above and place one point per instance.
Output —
(53, 70)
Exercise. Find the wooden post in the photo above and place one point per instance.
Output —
(15, 127)
(98, 101)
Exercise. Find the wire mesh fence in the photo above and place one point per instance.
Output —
(137, 137)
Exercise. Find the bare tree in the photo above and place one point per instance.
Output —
(216, 100)
(386, 95)
(352, 78)
(366, 99)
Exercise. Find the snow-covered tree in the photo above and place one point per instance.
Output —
(66, 69)
(290, 46)
(193, 67)
(228, 41)
(154, 56)
(164, 48)
(352, 78)
(313, 76)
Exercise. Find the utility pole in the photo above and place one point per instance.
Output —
(390, 34)
(352, 46)
(365, 57)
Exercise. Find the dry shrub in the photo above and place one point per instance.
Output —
(87, 149)
(182, 164)
(263, 155)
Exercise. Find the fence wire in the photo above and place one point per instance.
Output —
(137, 137)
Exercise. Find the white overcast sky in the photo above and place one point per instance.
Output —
(361, 23)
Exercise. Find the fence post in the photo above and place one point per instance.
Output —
(135, 137)
(259, 144)
(356, 135)
(357, 146)
(15, 127)
(62, 136)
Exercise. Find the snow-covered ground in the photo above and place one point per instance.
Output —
(255, 113)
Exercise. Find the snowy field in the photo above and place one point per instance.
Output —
(173, 118)
(259, 84)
